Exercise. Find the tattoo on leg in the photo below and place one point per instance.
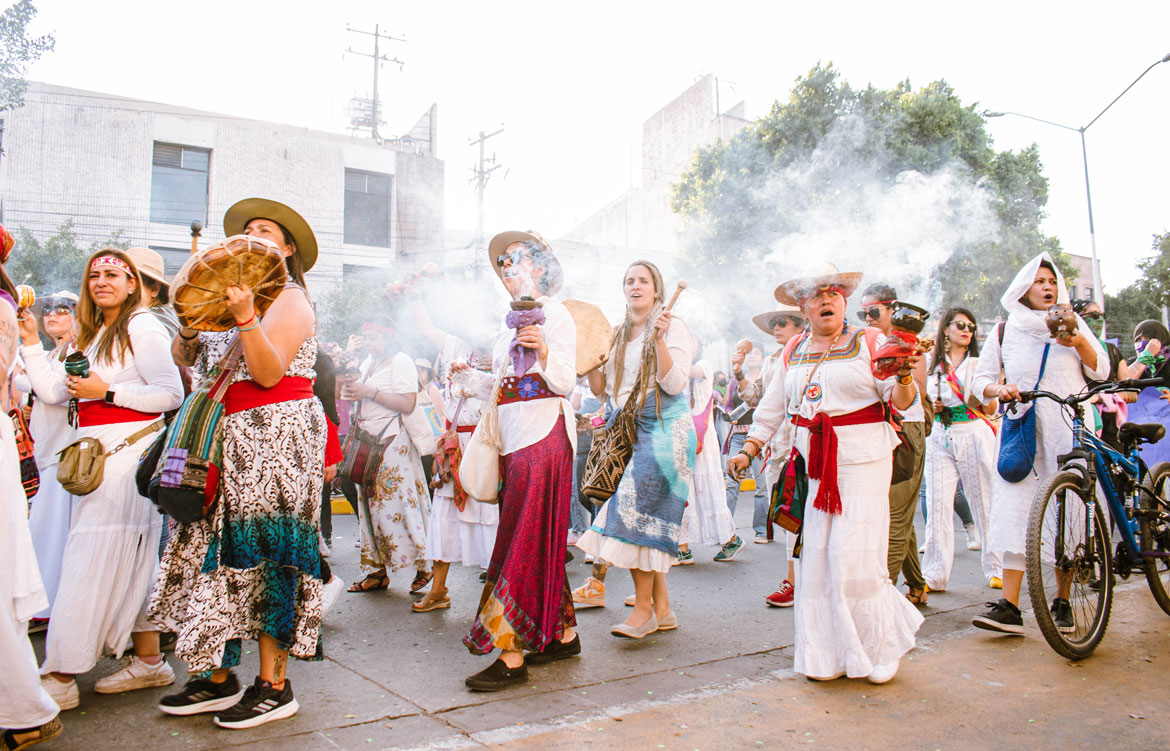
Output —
(278, 664)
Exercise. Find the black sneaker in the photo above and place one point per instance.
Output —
(1002, 616)
(497, 676)
(261, 703)
(558, 650)
(201, 695)
(1062, 616)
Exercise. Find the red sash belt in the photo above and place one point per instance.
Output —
(524, 388)
(243, 395)
(822, 462)
(98, 412)
(465, 429)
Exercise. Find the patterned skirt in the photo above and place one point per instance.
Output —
(394, 512)
(254, 567)
(526, 602)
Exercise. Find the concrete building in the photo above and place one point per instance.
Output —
(148, 170)
(1082, 286)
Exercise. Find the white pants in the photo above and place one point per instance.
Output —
(965, 451)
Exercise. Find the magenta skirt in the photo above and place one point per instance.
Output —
(526, 602)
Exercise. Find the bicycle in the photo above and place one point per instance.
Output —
(1069, 559)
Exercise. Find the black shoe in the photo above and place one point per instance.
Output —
(483, 576)
(201, 695)
(1003, 617)
(498, 676)
(557, 650)
(1062, 616)
(261, 703)
(167, 641)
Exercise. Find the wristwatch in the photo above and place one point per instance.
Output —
(109, 397)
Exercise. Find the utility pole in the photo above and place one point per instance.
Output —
(378, 59)
(481, 173)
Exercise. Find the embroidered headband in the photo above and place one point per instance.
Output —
(808, 294)
(114, 261)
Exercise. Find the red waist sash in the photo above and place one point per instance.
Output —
(822, 462)
(524, 388)
(465, 429)
(98, 412)
(244, 395)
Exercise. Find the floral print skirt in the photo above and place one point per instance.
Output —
(394, 513)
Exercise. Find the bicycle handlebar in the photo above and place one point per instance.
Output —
(1105, 387)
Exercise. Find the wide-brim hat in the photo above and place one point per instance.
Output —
(499, 244)
(38, 307)
(242, 212)
(793, 291)
(763, 321)
(149, 263)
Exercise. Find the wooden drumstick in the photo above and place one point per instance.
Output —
(743, 346)
(674, 298)
(196, 229)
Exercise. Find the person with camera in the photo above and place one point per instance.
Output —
(120, 379)
(961, 448)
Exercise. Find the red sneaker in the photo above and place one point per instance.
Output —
(783, 597)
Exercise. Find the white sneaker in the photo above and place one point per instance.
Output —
(973, 542)
(330, 593)
(136, 673)
(883, 673)
(65, 694)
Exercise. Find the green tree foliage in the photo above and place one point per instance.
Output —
(726, 197)
(1155, 279)
(342, 310)
(17, 51)
(57, 262)
(1144, 298)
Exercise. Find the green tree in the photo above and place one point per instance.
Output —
(1125, 311)
(17, 51)
(1155, 279)
(57, 262)
(746, 194)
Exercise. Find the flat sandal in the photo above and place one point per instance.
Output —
(382, 582)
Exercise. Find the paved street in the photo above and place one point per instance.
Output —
(394, 679)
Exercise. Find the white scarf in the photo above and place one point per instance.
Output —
(1025, 319)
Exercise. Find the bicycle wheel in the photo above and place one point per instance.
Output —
(1066, 560)
(1154, 531)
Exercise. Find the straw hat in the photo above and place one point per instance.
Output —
(38, 307)
(242, 212)
(149, 263)
(500, 243)
(793, 291)
(763, 321)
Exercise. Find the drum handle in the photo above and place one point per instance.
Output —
(196, 229)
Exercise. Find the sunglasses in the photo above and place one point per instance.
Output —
(1094, 316)
(874, 312)
(964, 326)
(785, 320)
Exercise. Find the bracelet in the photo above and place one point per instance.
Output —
(187, 338)
(249, 328)
(909, 379)
(241, 326)
(738, 375)
(755, 442)
(749, 456)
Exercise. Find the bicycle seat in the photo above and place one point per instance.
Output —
(1150, 432)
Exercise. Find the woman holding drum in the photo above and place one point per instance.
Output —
(526, 603)
(850, 619)
(111, 553)
(251, 569)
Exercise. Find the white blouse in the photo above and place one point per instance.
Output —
(397, 377)
(937, 384)
(681, 348)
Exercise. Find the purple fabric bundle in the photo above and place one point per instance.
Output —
(523, 358)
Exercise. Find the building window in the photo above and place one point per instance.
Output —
(367, 208)
(178, 184)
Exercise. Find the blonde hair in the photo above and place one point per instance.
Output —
(90, 319)
(621, 333)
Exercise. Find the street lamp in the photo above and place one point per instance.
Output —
(1098, 294)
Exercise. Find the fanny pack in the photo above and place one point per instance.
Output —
(83, 462)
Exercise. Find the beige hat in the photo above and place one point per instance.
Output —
(149, 263)
(242, 212)
(793, 291)
(502, 241)
(763, 321)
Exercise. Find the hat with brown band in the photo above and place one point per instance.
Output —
(796, 291)
(500, 244)
(236, 219)
(767, 321)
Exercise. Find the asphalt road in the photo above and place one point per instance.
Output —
(393, 678)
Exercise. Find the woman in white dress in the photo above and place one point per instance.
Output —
(28, 714)
(638, 527)
(394, 511)
(707, 520)
(51, 508)
(850, 618)
(112, 552)
(1027, 347)
(960, 448)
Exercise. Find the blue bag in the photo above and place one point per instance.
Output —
(1017, 438)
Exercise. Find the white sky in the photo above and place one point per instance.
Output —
(573, 82)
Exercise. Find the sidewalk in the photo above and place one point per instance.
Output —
(966, 690)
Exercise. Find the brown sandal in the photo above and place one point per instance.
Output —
(916, 596)
(421, 579)
(372, 583)
(433, 600)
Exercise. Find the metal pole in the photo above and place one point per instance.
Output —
(377, 64)
(1098, 293)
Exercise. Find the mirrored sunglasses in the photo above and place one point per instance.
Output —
(965, 326)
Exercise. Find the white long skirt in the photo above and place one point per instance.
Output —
(467, 536)
(850, 619)
(48, 522)
(23, 703)
(965, 451)
(707, 520)
(109, 564)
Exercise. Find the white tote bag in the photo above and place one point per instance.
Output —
(479, 469)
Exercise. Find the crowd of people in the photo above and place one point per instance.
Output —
(260, 425)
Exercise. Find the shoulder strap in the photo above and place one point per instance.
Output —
(786, 357)
(871, 335)
(1043, 364)
(999, 335)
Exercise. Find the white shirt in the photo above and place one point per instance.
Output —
(399, 376)
(938, 388)
(680, 346)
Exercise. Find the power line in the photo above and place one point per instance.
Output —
(378, 58)
(480, 174)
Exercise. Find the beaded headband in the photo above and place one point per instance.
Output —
(114, 261)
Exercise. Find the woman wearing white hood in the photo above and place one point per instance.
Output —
(1022, 348)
